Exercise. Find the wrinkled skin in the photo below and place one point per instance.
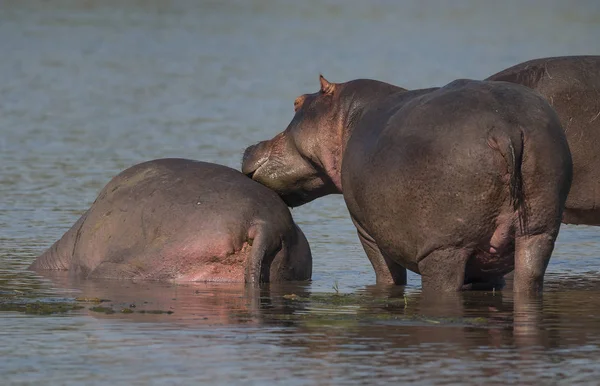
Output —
(182, 220)
(461, 184)
(571, 85)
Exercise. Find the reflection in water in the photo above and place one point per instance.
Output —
(377, 331)
(88, 88)
(389, 314)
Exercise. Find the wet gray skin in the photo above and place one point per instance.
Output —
(571, 84)
(183, 221)
(461, 184)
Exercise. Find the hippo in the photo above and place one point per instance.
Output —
(181, 220)
(571, 84)
(461, 184)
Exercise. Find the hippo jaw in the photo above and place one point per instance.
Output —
(279, 165)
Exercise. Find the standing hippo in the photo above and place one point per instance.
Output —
(461, 184)
(182, 220)
(572, 86)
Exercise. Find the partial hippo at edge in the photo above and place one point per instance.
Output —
(461, 184)
(571, 84)
(183, 221)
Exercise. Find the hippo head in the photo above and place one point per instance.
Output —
(303, 162)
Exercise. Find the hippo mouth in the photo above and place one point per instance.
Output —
(250, 173)
(251, 163)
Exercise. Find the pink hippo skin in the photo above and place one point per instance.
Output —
(184, 221)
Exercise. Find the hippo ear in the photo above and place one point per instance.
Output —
(326, 87)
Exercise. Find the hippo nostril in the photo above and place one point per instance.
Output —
(248, 152)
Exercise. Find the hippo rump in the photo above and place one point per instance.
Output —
(461, 184)
(182, 220)
(571, 84)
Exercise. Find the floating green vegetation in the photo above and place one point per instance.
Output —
(109, 311)
(341, 299)
(103, 310)
(40, 308)
(336, 287)
(91, 300)
(346, 310)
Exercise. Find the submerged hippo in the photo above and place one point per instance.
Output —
(572, 86)
(183, 220)
(461, 184)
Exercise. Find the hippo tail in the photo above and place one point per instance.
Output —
(58, 257)
(511, 148)
(263, 250)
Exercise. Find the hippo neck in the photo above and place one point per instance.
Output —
(359, 96)
(355, 102)
(355, 98)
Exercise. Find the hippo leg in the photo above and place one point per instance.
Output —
(443, 270)
(532, 254)
(546, 182)
(386, 270)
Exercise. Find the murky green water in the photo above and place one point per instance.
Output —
(88, 88)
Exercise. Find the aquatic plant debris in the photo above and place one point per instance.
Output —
(104, 310)
(109, 310)
(91, 300)
(59, 306)
(339, 310)
(39, 308)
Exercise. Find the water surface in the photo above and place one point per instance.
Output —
(88, 88)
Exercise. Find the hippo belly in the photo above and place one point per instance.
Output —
(486, 267)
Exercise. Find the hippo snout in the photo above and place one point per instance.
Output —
(254, 157)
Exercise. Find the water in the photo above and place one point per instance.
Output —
(88, 88)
